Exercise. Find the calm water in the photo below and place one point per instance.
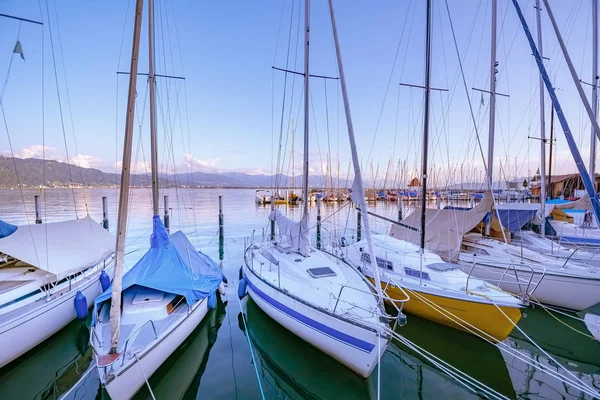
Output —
(215, 362)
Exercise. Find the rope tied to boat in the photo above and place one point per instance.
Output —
(144, 375)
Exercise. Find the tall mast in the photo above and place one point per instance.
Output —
(306, 103)
(594, 87)
(358, 192)
(493, 65)
(293, 163)
(542, 121)
(551, 146)
(152, 84)
(426, 125)
(117, 284)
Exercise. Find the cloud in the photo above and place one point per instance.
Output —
(196, 164)
(36, 151)
(85, 161)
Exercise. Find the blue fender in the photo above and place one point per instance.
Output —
(104, 281)
(242, 291)
(81, 307)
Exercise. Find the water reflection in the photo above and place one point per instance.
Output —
(50, 369)
(179, 377)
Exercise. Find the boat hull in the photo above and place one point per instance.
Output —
(352, 345)
(485, 317)
(128, 380)
(22, 333)
(571, 292)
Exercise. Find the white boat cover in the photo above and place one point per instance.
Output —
(61, 248)
(582, 203)
(294, 233)
(444, 228)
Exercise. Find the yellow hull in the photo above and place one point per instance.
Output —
(485, 317)
(280, 201)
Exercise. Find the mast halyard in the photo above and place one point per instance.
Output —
(358, 192)
(306, 105)
(542, 122)
(492, 122)
(293, 161)
(594, 88)
(115, 306)
(152, 84)
(426, 126)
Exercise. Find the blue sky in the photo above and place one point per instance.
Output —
(225, 50)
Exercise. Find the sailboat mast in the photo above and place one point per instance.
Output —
(542, 121)
(551, 146)
(306, 103)
(426, 126)
(117, 284)
(493, 65)
(358, 192)
(152, 84)
(293, 163)
(594, 88)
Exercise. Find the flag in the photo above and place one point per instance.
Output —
(19, 50)
(482, 102)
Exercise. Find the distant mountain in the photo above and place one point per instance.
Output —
(36, 172)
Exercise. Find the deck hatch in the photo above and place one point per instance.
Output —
(321, 272)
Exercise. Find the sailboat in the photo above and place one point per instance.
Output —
(44, 268)
(523, 271)
(439, 291)
(49, 272)
(148, 312)
(314, 295)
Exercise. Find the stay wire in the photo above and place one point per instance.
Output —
(62, 120)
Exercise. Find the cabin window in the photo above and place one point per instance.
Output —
(174, 303)
(381, 263)
(416, 273)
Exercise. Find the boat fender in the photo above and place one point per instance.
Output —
(242, 288)
(343, 241)
(222, 288)
(212, 300)
(104, 281)
(241, 274)
(224, 279)
(81, 307)
(401, 319)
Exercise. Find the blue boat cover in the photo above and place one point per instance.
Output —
(6, 229)
(172, 265)
(513, 220)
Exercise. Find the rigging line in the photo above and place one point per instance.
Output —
(187, 121)
(285, 79)
(62, 120)
(328, 136)
(17, 177)
(392, 75)
(78, 155)
(10, 64)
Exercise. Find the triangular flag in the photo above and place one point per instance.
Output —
(19, 50)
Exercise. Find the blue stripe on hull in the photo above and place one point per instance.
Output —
(574, 239)
(316, 325)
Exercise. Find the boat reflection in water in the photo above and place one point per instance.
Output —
(557, 335)
(291, 368)
(51, 368)
(470, 354)
(179, 377)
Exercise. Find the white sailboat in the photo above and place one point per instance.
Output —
(314, 295)
(155, 306)
(42, 269)
(440, 291)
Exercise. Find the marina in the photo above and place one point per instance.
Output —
(380, 245)
(216, 358)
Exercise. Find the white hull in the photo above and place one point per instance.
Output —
(561, 290)
(575, 234)
(21, 332)
(129, 379)
(353, 345)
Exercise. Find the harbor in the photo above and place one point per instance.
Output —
(217, 358)
(388, 231)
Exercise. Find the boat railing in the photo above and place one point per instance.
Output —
(575, 251)
(528, 283)
(129, 338)
(383, 296)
